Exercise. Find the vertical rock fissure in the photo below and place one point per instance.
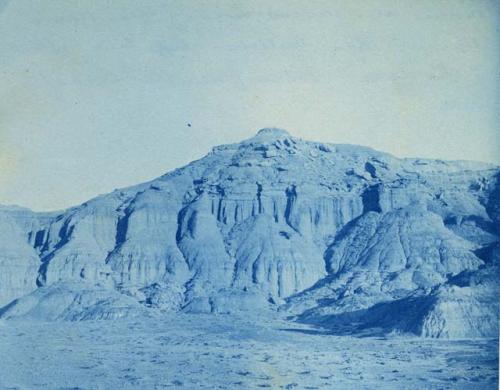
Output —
(371, 199)
(259, 197)
(291, 197)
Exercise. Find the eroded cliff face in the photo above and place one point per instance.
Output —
(263, 221)
(19, 262)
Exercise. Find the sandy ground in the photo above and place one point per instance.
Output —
(228, 352)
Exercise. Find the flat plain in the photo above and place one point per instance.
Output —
(204, 351)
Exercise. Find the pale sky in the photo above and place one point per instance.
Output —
(96, 95)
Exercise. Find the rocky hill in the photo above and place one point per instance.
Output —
(340, 236)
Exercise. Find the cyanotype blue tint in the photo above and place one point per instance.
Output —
(98, 95)
(278, 259)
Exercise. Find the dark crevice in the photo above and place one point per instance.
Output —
(221, 193)
(493, 204)
(259, 197)
(122, 228)
(39, 238)
(42, 274)
(370, 168)
(485, 253)
(180, 218)
(64, 234)
(291, 197)
(371, 199)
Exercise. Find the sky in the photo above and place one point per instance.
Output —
(97, 95)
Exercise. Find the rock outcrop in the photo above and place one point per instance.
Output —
(328, 229)
(19, 262)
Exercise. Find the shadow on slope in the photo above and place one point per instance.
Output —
(466, 307)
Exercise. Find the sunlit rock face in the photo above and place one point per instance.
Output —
(74, 301)
(327, 228)
(19, 262)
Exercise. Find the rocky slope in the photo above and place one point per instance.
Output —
(324, 229)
